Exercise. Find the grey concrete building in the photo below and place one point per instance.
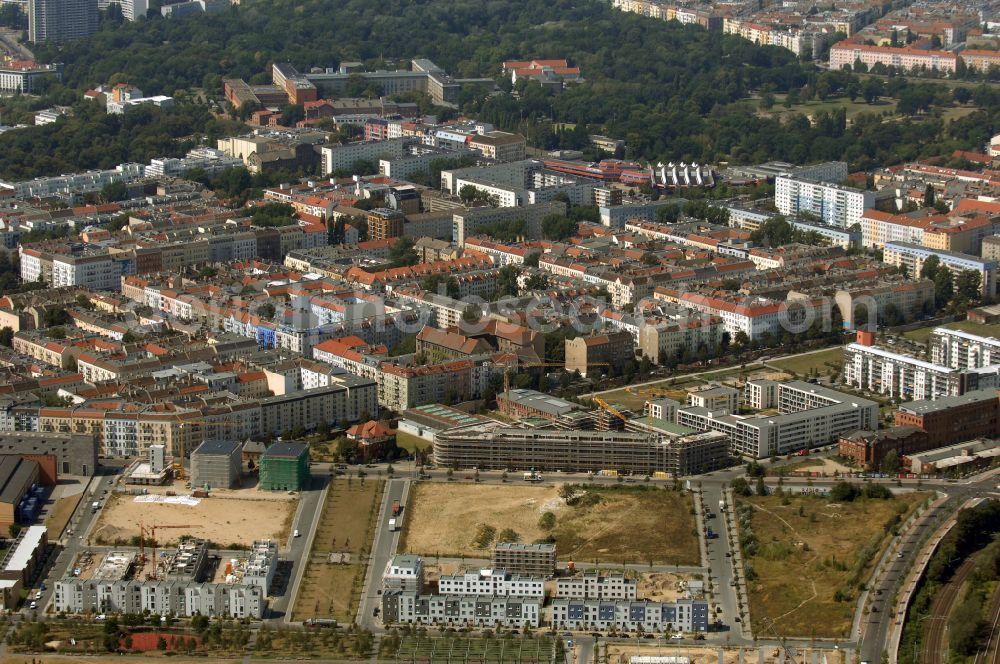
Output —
(530, 559)
(217, 464)
(75, 454)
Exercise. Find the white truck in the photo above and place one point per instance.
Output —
(392, 525)
(532, 477)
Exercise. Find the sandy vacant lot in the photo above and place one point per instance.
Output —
(236, 518)
(662, 586)
(620, 654)
(622, 525)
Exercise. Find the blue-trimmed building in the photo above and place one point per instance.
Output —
(686, 615)
(912, 257)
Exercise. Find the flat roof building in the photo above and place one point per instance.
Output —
(284, 467)
(532, 559)
(217, 464)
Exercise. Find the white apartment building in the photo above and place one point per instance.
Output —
(343, 157)
(494, 582)
(962, 350)
(836, 205)
(404, 572)
(809, 416)
(715, 398)
(912, 257)
(662, 409)
(761, 394)
(909, 378)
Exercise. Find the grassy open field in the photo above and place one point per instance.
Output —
(810, 553)
(804, 364)
(921, 334)
(636, 524)
(812, 107)
(409, 442)
(346, 526)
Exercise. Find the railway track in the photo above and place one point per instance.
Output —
(935, 639)
(990, 654)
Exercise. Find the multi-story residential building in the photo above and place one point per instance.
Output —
(177, 598)
(472, 221)
(953, 419)
(343, 157)
(866, 306)
(404, 572)
(604, 353)
(132, 10)
(715, 398)
(22, 76)
(661, 409)
(401, 388)
(661, 340)
(754, 317)
(912, 257)
(491, 582)
(907, 58)
(867, 367)
(959, 349)
(401, 607)
(809, 416)
(979, 59)
(684, 615)
(529, 559)
(385, 224)
(596, 585)
(499, 145)
(835, 204)
(61, 20)
(761, 394)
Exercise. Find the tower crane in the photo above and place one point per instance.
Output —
(152, 540)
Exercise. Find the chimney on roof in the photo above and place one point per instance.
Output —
(866, 338)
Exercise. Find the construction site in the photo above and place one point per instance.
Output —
(185, 579)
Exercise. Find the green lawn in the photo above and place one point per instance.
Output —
(804, 364)
(813, 107)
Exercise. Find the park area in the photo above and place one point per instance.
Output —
(227, 519)
(820, 363)
(612, 524)
(335, 571)
(807, 555)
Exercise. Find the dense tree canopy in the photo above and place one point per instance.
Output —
(673, 92)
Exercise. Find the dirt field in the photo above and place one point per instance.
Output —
(621, 524)
(809, 549)
(619, 653)
(331, 590)
(227, 517)
(662, 586)
(816, 465)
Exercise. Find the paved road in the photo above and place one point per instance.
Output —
(383, 548)
(297, 550)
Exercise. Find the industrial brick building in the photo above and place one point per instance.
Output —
(954, 419)
(284, 467)
(217, 464)
(867, 449)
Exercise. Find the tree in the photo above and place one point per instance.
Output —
(761, 487)
(968, 285)
(929, 196)
(567, 492)
(557, 227)
(402, 253)
(6, 337)
(930, 267)
(890, 462)
(114, 191)
(547, 521)
(943, 286)
(741, 487)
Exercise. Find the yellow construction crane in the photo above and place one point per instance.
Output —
(604, 405)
